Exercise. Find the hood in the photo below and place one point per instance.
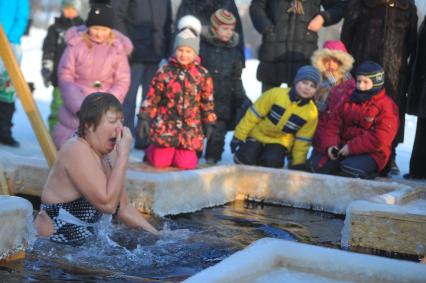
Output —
(346, 59)
(123, 44)
(66, 21)
(208, 35)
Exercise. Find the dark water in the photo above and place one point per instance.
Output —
(188, 244)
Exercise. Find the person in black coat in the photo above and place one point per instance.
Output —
(289, 35)
(384, 31)
(53, 47)
(202, 10)
(220, 55)
(148, 24)
(416, 105)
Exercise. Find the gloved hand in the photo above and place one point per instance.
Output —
(210, 130)
(144, 125)
(235, 144)
(46, 72)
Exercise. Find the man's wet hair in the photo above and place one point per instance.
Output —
(94, 106)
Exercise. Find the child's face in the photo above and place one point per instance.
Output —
(306, 89)
(331, 64)
(99, 34)
(185, 55)
(363, 83)
(224, 32)
(69, 12)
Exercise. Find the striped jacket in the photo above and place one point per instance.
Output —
(280, 117)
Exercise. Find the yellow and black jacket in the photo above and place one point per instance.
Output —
(280, 117)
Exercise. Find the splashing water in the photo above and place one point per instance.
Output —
(187, 244)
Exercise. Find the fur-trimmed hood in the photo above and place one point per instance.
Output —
(208, 35)
(345, 58)
(121, 42)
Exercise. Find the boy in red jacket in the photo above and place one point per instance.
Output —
(358, 140)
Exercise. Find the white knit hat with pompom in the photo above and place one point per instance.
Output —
(188, 34)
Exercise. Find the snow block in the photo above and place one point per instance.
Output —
(165, 193)
(306, 190)
(170, 192)
(182, 191)
(399, 227)
(273, 260)
(16, 229)
(173, 192)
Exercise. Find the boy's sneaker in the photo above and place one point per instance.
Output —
(394, 169)
(9, 141)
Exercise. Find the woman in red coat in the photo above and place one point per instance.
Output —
(358, 140)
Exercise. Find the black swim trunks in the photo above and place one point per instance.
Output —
(73, 221)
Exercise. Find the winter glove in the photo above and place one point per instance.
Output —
(144, 125)
(46, 72)
(235, 144)
(210, 130)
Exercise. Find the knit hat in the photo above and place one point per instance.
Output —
(374, 72)
(335, 49)
(76, 4)
(308, 73)
(222, 17)
(101, 14)
(189, 28)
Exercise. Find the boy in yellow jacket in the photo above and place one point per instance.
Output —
(281, 122)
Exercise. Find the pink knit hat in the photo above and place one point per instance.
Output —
(335, 49)
(335, 45)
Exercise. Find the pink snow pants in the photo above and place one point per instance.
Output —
(161, 157)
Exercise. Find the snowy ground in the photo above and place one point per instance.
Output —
(31, 66)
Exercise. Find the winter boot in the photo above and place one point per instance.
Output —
(6, 114)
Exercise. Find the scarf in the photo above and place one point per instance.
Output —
(359, 97)
(324, 91)
(296, 98)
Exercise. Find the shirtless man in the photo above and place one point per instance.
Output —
(88, 176)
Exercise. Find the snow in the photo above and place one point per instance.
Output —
(31, 65)
(15, 231)
(269, 260)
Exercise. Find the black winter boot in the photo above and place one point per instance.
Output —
(6, 114)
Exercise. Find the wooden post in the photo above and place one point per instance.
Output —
(27, 100)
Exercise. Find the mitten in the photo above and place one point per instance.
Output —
(144, 125)
(46, 72)
(235, 144)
